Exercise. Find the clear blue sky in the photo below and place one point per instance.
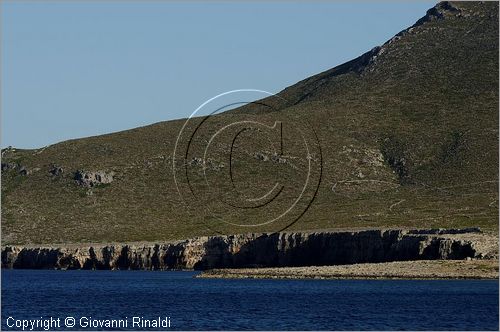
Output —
(76, 69)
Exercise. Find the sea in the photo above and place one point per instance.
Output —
(161, 300)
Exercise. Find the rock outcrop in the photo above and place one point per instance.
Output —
(20, 169)
(91, 179)
(56, 170)
(258, 250)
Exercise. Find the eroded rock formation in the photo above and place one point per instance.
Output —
(260, 250)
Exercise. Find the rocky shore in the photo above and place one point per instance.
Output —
(424, 269)
(261, 250)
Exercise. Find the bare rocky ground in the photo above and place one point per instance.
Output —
(423, 269)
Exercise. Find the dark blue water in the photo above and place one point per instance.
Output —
(249, 304)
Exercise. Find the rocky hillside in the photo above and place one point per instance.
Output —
(405, 136)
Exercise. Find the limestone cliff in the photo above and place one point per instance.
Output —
(261, 250)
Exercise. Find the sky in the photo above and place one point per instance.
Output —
(76, 69)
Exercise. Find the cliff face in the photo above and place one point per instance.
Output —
(258, 250)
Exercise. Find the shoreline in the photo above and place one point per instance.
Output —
(486, 269)
(279, 250)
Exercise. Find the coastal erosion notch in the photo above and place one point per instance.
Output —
(261, 250)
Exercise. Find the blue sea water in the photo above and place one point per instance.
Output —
(214, 304)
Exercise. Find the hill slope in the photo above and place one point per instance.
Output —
(407, 133)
